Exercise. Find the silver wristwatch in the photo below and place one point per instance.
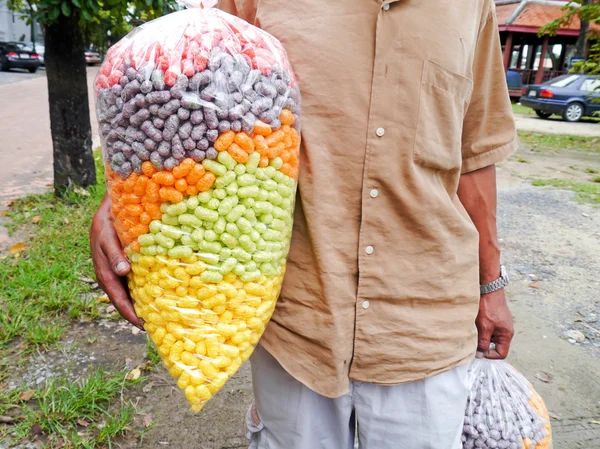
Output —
(499, 283)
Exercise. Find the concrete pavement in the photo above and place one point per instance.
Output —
(25, 141)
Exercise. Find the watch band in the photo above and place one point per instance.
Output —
(499, 283)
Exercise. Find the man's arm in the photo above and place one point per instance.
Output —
(477, 193)
(110, 264)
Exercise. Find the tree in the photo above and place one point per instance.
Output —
(587, 11)
(67, 77)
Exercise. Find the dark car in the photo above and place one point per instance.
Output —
(572, 96)
(14, 57)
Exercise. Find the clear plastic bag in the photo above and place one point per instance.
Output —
(199, 122)
(503, 410)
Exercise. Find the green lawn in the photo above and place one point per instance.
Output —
(46, 282)
(588, 192)
(519, 109)
(555, 142)
(47, 276)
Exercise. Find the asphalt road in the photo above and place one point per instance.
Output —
(555, 125)
(18, 75)
(26, 150)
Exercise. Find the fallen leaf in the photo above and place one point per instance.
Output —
(17, 248)
(26, 395)
(5, 213)
(9, 419)
(66, 221)
(80, 191)
(86, 279)
(534, 285)
(103, 298)
(110, 309)
(554, 416)
(135, 330)
(134, 374)
(147, 365)
(36, 430)
(594, 422)
(544, 376)
(83, 423)
(36, 219)
(148, 419)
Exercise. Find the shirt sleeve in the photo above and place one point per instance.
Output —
(489, 134)
(244, 9)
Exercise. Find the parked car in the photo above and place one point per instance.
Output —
(40, 50)
(21, 45)
(92, 57)
(14, 56)
(572, 96)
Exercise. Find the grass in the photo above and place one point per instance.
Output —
(43, 283)
(556, 142)
(79, 412)
(523, 110)
(586, 191)
(151, 353)
(521, 159)
(591, 170)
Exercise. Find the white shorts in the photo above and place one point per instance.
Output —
(427, 414)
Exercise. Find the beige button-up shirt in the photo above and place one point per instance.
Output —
(398, 99)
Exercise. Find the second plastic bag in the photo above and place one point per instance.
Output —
(503, 410)
(199, 119)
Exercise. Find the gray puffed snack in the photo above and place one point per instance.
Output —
(211, 153)
(203, 144)
(158, 80)
(198, 131)
(499, 414)
(157, 160)
(183, 113)
(171, 127)
(198, 155)
(185, 129)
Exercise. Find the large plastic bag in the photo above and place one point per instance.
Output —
(503, 410)
(199, 120)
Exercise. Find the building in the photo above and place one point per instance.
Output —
(13, 26)
(536, 58)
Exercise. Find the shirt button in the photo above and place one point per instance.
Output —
(386, 6)
(374, 193)
(365, 305)
(369, 250)
(380, 132)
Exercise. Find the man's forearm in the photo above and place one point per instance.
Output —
(477, 193)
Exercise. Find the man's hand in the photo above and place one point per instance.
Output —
(110, 262)
(495, 325)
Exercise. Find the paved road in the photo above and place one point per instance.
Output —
(18, 75)
(555, 125)
(26, 150)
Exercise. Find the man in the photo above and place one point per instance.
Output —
(405, 112)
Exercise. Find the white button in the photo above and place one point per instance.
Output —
(369, 250)
(386, 6)
(365, 305)
(374, 193)
(380, 132)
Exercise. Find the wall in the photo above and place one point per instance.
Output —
(13, 26)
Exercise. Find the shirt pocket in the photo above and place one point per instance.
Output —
(442, 102)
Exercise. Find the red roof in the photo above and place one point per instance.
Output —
(536, 15)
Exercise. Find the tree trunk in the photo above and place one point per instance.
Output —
(69, 105)
(581, 44)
